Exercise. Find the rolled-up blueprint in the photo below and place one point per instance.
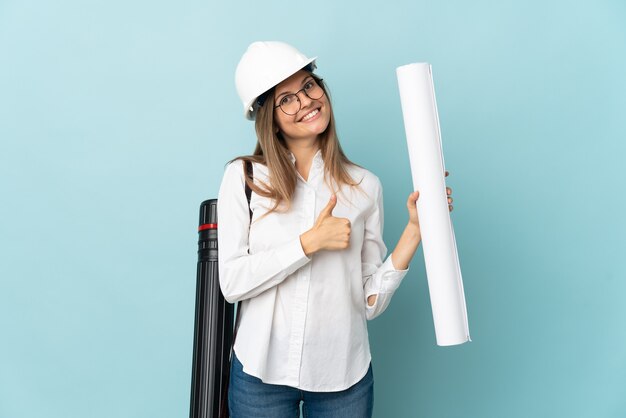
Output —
(421, 123)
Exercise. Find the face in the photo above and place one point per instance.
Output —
(314, 115)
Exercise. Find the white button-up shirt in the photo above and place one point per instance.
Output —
(304, 319)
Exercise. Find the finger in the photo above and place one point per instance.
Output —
(450, 207)
(328, 210)
(447, 173)
(448, 191)
(411, 201)
(450, 200)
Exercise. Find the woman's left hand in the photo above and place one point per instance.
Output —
(411, 205)
(449, 193)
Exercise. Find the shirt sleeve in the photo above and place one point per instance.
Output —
(242, 275)
(379, 278)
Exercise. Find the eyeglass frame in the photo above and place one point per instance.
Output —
(317, 81)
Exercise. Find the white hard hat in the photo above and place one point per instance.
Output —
(264, 65)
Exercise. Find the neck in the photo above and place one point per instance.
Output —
(304, 150)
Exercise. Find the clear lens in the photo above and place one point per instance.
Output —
(290, 104)
(313, 90)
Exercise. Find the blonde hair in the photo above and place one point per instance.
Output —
(271, 151)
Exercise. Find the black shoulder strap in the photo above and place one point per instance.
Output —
(248, 190)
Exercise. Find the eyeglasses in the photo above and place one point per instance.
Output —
(290, 103)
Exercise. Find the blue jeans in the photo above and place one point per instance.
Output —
(249, 397)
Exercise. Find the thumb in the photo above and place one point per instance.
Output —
(328, 210)
(412, 200)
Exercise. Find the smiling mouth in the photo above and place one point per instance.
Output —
(310, 115)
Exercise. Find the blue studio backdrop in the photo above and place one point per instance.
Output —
(116, 121)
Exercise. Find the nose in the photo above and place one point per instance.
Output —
(303, 98)
(306, 96)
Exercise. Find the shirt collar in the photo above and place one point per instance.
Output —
(318, 161)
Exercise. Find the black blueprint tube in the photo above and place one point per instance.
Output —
(213, 330)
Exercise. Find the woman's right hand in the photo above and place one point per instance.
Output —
(328, 233)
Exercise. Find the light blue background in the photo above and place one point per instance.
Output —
(116, 120)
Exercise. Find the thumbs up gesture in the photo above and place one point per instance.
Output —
(328, 233)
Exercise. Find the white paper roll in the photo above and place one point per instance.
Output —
(421, 123)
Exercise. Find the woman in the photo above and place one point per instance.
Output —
(306, 256)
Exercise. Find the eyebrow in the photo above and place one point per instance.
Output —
(302, 83)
